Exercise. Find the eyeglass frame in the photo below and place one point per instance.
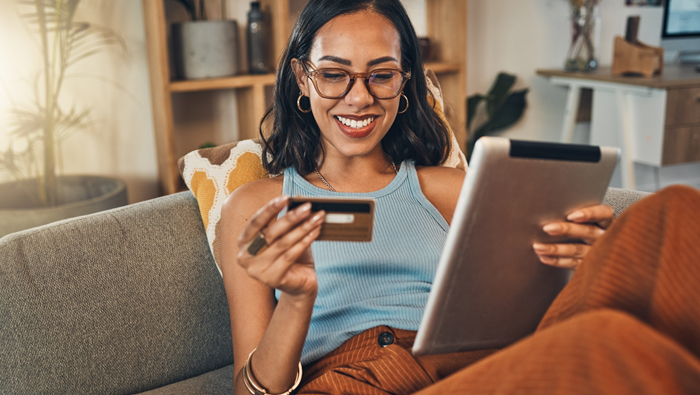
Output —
(353, 76)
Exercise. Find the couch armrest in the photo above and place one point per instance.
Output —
(121, 301)
(621, 199)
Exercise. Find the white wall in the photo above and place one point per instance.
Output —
(120, 141)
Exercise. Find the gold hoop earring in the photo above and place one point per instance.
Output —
(299, 104)
(404, 96)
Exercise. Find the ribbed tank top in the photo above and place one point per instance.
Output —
(383, 282)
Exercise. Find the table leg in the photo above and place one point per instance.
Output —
(572, 104)
(625, 127)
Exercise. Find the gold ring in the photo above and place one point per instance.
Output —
(257, 244)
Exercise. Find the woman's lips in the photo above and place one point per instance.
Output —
(356, 132)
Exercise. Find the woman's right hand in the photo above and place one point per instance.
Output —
(287, 263)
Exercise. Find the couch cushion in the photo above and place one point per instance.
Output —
(217, 382)
(117, 302)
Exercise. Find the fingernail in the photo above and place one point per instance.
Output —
(548, 259)
(304, 208)
(541, 248)
(575, 216)
(552, 228)
(279, 199)
(318, 217)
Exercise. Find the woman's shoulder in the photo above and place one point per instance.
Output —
(252, 196)
(439, 175)
(441, 186)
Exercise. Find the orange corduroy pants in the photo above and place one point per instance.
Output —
(628, 322)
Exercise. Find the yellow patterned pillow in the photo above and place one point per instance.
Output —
(213, 173)
(456, 157)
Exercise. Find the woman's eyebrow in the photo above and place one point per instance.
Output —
(346, 62)
(336, 60)
(382, 60)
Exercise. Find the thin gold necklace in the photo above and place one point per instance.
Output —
(330, 188)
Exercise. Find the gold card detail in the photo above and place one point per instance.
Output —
(346, 219)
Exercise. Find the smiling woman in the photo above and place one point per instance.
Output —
(351, 118)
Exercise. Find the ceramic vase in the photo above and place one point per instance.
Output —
(205, 49)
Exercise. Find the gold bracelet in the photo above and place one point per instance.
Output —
(255, 388)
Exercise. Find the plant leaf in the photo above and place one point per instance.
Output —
(26, 123)
(504, 82)
(73, 120)
(472, 104)
(85, 40)
(509, 113)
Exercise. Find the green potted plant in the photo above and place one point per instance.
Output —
(204, 48)
(38, 126)
(502, 107)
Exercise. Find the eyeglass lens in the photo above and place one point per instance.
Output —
(383, 84)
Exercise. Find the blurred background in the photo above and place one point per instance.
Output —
(514, 36)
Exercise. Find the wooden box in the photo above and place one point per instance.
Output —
(636, 58)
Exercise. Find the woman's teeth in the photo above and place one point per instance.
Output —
(355, 124)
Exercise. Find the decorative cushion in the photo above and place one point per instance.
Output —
(213, 173)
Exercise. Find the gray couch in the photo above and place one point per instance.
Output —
(120, 302)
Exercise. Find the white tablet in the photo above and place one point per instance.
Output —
(490, 289)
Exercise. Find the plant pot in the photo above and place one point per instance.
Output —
(79, 195)
(205, 49)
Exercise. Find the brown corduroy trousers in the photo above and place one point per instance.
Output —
(627, 323)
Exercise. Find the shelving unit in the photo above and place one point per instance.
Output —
(446, 28)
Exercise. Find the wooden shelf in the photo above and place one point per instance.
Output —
(446, 27)
(443, 67)
(241, 81)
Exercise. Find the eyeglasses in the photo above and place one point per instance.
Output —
(336, 83)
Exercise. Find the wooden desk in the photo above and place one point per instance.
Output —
(655, 121)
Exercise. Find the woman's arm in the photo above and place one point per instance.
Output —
(277, 329)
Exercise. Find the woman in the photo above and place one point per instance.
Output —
(350, 119)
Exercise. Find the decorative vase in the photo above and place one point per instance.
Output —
(205, 49)
(79, 195)
(585, 19)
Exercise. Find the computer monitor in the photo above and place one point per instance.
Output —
(681, 30)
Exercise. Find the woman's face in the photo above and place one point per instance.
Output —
(359, 43)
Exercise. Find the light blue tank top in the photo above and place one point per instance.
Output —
(384, 282)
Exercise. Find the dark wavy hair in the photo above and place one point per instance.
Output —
(419, 134)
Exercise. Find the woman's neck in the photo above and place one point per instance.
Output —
(357, 174)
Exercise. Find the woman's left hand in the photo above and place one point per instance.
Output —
(586, 224)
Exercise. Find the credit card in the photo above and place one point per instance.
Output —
(346, 219)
